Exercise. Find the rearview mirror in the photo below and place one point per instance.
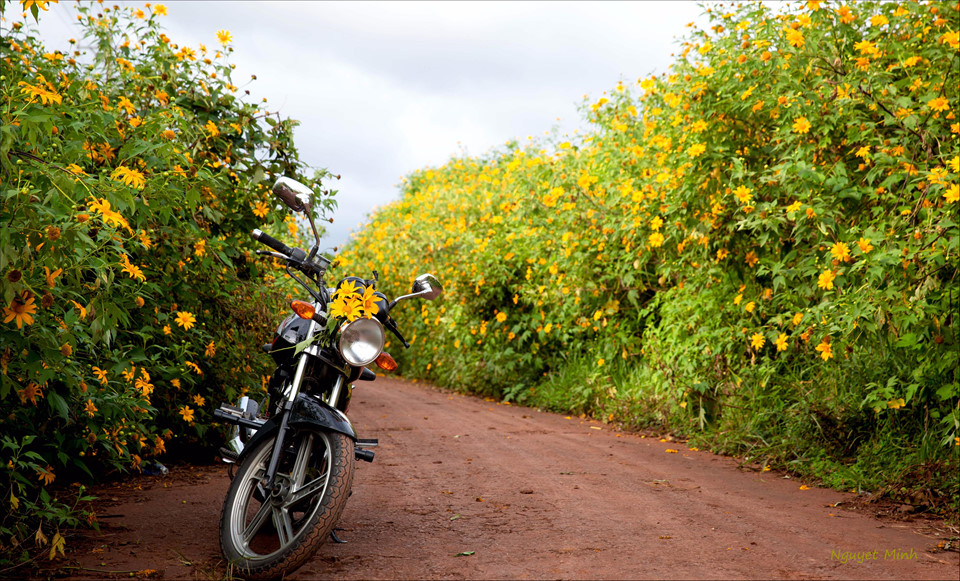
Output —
(427, 287)
(295, 195)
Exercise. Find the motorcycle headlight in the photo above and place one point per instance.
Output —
(361, 341)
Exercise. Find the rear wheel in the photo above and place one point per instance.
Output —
(267, 534)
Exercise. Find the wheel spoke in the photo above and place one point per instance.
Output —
(281, 521)
(313, 487)
(258, 521)
(299, 470)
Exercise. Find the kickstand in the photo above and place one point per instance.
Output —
(335, 538)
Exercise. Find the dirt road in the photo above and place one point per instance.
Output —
(466, 488)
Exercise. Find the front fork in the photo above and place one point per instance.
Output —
(290, 397)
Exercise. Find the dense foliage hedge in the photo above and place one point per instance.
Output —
(760, 246)
(131, 301)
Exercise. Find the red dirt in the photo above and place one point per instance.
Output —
(466, 488)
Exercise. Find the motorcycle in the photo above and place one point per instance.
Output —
(294, 452)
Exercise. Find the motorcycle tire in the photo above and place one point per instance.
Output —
(269, 535)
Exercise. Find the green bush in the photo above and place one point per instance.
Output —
(758, 249)
(132, 302)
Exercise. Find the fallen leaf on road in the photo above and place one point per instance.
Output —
(665, 537)
(456, 516)
(595, 428)
(465, 554)
(804, 487)
(670, 451)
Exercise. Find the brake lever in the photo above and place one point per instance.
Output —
(273, 254)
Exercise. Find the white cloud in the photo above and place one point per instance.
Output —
(385, 88)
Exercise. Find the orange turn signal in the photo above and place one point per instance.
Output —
(386, 362)
(303, 309)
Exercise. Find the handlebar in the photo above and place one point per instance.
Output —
(296, 257)
(272, 242)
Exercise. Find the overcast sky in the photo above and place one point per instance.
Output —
(385, 88)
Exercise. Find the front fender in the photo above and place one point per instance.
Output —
(306, 412)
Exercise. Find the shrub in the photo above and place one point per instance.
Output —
(132, 304)
(763, 241)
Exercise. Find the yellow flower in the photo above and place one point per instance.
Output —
(840, 251)
(501, 317)
(200, 248)
(130, 177)
(167, 330)
(185, 319)
(348, 288)
(797, 318)
(751, 259)
(696, 149)
(21, 310)
(168, 134)
(52, 276)
(41, 4)
(757, 341)
(656, 239)
(199, 400)
(938, 104)
(224, 37)
(110, 217)
(90, 408)
(131, 269)
(194, 367)
(260, 210)
(36, 91)
(743, 193)
(101, 375)
(76, 169)
(750, 306)
(878, 20)
(345, 307)
(782, 342)
(211, 349)
(795, 38)
(550, 200)
(864, 152)
(846, 16)
(212, 129)
(865, 47)
(952, 38)
(737, 299)
(368, 302)
(801, 125)
(952, 194)
(826, 352)
(187, 413)
(722, 253)
(600, 362)
(825, 280)
(656, 223)
(160, 9)
(896, 404)
(175, 383)
(864, 245)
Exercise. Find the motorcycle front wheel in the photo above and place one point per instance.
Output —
(266, 535)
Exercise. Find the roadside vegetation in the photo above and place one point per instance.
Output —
(131, 303)
(756, 250)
